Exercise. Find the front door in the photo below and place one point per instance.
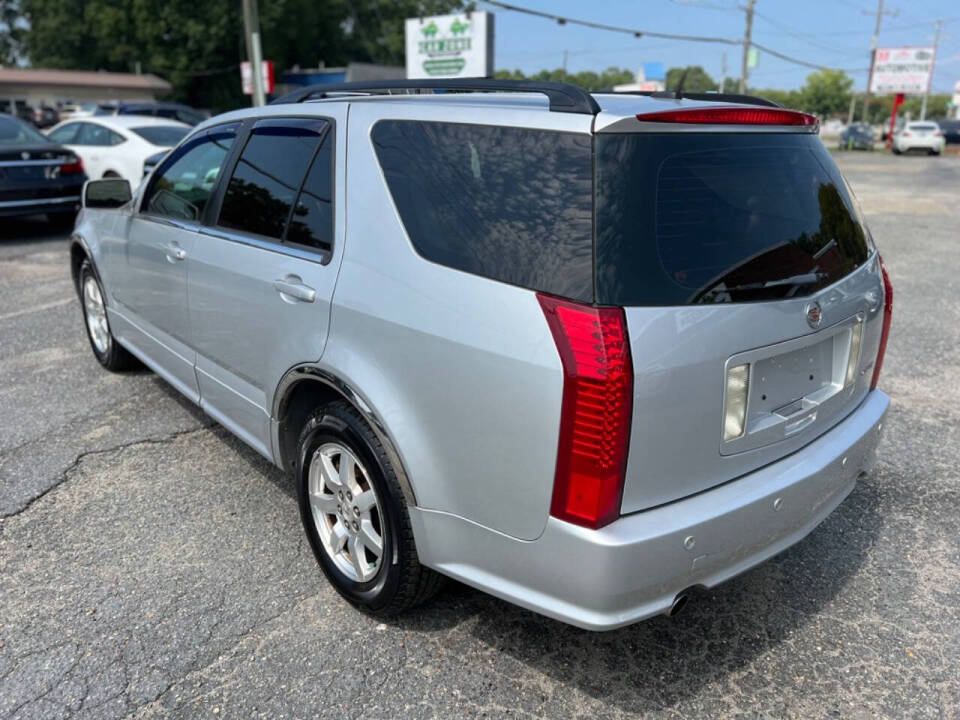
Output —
(262, 275)
(151, 283)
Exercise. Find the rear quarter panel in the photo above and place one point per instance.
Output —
(462, 370)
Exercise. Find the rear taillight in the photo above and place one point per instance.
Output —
(595, 416)
(73, 166)
(731, 116)
(887, 317)
(905, 134)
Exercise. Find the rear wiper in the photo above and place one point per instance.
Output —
(803, 279)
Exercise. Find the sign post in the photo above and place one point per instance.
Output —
(450, 46)
(897, 102)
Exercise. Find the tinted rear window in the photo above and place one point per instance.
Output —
(688, 218)
(162, 135)
(509, 204)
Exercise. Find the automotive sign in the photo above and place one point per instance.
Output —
(450, 46)
(901, 70)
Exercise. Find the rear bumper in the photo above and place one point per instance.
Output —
(635, 567)
(66, 203)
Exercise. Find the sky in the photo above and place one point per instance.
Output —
(834, 33)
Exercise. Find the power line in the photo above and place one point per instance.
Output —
(639, 33)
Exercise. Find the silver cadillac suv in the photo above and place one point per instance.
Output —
(584, 352)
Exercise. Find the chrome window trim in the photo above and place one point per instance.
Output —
(632, 125)
(59, 160)
(315, 256)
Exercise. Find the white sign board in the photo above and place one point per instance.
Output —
(450, 46)
(901, 70)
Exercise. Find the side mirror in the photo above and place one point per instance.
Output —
(107, 193)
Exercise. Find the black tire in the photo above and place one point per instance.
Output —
(114, 357)
(401, 582)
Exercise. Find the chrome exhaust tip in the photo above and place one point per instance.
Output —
(679, 603)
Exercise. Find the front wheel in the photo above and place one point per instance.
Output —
(355, 516)
(108, 352)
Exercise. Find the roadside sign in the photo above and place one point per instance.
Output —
(450, 46)
(901, 70)
(246, 77)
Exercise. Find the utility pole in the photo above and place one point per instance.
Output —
(933, 66)
(873, 51)
(746, 46)
(723, 71)
(251, 26)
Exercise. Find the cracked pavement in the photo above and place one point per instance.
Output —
(152, 566)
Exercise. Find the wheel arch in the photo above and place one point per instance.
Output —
(79, 251)
(305, 387)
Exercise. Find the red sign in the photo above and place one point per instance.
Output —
(246, 77)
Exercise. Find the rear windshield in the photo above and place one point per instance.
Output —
(923, 126)
(162, 135)
(687, 218)
(510, 204)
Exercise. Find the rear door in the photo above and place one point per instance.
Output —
(752, 296)
(262, 275)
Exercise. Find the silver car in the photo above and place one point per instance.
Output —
(584, 352)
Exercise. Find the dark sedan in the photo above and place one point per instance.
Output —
(951, 131)
(37, 175)
(858, 136)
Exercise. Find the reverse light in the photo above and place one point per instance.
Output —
(856, 335)
(596, 410)
(73, 166)
(735, 401)
(887, 317)
(731, 116)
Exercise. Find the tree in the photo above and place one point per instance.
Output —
(11, 31)
(198, 46)
(826, 92)
(697, 79)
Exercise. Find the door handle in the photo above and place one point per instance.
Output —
(175, 253)
(291, 286)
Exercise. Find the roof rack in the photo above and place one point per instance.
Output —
(563, 97)
(702, 96)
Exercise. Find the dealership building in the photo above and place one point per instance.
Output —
(47, 87)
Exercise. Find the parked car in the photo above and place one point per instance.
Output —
(72, 111)
(117, 146)
(924, 135)
(36, 175)
(857, 136)
(951, 131)
(45, 116)
(173, 111)
(565, 351)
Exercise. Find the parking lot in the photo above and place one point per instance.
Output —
(153, 566)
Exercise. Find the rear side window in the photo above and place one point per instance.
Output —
(688, 218)
(268, 176)
(311, 223)
(509, 204)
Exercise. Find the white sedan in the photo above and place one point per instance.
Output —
(116, 146)
(919, 136)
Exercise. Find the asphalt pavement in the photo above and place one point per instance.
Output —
(153, 566)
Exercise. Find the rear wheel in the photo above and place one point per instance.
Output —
(355, 516)
(107, 351)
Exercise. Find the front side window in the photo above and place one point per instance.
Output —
(182, 187)
(268, 176)
(510, 204)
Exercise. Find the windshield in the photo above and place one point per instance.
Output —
(686, 218)
(14, 132)
(162, 135)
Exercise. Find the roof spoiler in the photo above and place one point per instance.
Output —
(563, 97)
(702, 96)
